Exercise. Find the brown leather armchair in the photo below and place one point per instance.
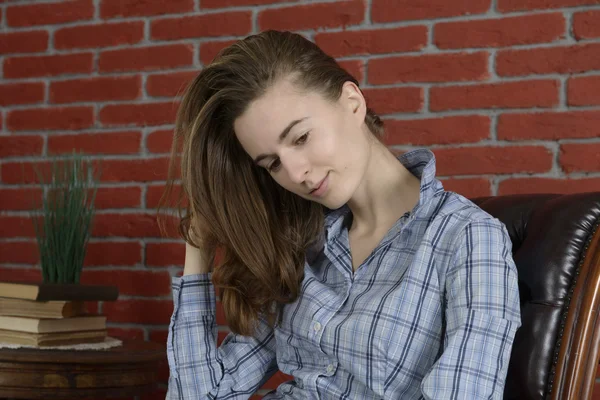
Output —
(556, 247)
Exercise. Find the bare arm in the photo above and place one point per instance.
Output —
(195, 261)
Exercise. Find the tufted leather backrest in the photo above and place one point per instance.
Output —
(550, 236)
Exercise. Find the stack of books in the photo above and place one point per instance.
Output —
(44, 314)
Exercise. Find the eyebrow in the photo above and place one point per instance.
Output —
(282, 137)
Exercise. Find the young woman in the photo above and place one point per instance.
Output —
(340, 264)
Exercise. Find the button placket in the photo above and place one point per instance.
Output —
(316, 331)
(331, 368)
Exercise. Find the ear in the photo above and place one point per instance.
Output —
(353, 100)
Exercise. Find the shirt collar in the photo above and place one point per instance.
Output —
(420, 163)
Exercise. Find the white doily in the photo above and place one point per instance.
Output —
(107, 344)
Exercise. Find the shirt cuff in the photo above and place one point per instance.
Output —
(193, 294)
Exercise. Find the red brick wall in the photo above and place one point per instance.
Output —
(505, 92)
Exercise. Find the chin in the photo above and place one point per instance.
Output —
(334, 202)
(334, 207)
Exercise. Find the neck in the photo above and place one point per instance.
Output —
(388, 190)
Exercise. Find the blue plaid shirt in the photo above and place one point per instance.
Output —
(430, 314)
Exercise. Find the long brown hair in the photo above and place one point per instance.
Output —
(262, 231)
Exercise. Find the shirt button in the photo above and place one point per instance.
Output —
(330, 368)
(317, 327)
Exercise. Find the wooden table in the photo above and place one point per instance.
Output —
(123, 371)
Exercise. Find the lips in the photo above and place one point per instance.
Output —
(319, 185)
(322, 188)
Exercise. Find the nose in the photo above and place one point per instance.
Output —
(296, 167)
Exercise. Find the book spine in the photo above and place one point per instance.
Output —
(77, 293)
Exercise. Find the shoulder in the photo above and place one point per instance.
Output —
(459, 215)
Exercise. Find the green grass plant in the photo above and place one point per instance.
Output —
(63, 222)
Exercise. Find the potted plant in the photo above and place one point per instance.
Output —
(64, 222)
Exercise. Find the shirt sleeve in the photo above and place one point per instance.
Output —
(198, 368)
(482, 316)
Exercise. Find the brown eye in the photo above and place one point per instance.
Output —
(302, 139)
(274, 166)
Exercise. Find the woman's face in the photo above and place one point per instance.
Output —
(312, 147)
